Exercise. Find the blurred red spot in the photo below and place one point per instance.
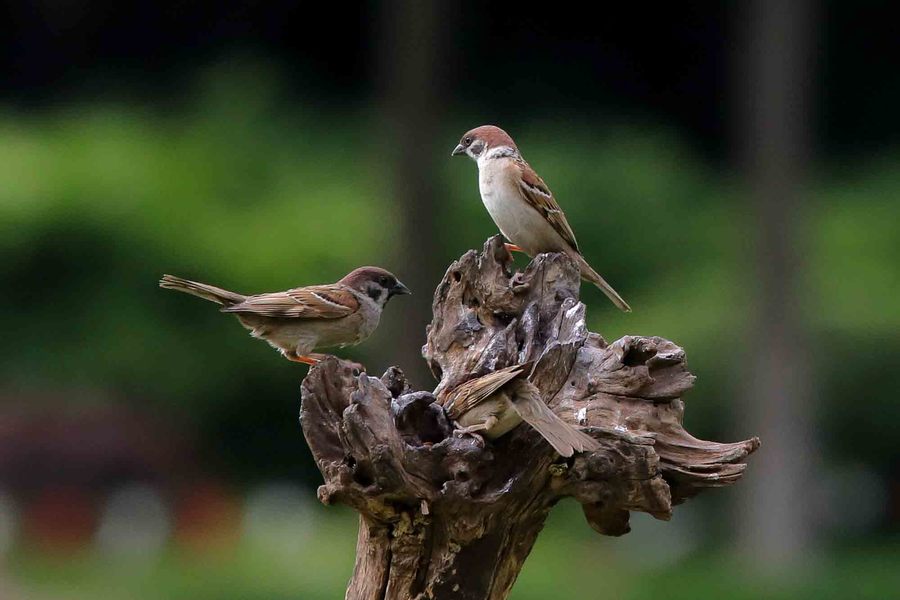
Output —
(207, 519)
(59, 520)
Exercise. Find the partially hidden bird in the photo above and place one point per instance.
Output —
(300, 320)
(492, 405)
(521, 204)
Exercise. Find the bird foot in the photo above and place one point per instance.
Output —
(479, 439)
(315, 358)
(358, 368)
(510, 248)
(519, 284)
(311, 360)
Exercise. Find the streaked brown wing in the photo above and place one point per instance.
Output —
(472, 392)
(331, 301)
(538, 195)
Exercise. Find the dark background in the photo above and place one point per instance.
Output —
(732, 169)
(666, 64)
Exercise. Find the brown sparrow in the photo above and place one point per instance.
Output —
(521, 204)
(495, 403)
(300, 320)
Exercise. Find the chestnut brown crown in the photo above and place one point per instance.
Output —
(476, 142)
(377, 283)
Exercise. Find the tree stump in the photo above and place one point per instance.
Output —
(442, 517)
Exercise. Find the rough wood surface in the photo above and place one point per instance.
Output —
(442, 517)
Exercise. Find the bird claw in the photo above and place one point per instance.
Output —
(315, 358)
(479, 439)
(519, 284)
(358, 368)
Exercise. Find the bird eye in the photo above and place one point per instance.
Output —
(385, 282)
(467, 141)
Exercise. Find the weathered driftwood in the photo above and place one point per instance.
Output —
(442, 517)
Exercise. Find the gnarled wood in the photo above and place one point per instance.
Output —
(442, 517)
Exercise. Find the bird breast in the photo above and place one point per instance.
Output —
(518, 221)
(349, 330)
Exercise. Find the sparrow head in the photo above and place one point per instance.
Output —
(376, 283)
(485, 142)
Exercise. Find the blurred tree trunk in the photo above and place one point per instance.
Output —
(774, 140)
(411, 48)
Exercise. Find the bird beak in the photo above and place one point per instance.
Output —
(400, 290)
(458, 150)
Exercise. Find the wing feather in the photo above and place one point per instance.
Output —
(331, 301)
(539, 196)
(472, 392)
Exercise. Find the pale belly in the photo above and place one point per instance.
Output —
(518, 222)
(304, 336)
(498, 406)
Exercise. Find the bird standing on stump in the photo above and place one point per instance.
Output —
(300, 320)
(521, 204)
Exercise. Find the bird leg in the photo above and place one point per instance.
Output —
(473, 430)
(315, 358)
(359, 367)
(311, 359)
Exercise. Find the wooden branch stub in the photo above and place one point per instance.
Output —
(442, 517)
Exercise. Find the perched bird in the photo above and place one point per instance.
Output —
(494, 404)
(300, 320)
(521, 204)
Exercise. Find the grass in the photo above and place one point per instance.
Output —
(569, 561)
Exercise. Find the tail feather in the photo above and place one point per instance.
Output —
(566, 439)
(201, 290)
(591, 275)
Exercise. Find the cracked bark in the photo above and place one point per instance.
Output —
(441, 517)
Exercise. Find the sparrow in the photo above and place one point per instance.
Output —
(521, 204)
(297, 321)
(494, 404)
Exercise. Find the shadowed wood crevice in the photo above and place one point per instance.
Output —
(443, 517)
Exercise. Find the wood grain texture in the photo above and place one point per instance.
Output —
(442, 517)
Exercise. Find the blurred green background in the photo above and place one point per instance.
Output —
(733, 170)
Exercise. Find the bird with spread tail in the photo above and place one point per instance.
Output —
(492, 405)
(300, 320)
(521, 204)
